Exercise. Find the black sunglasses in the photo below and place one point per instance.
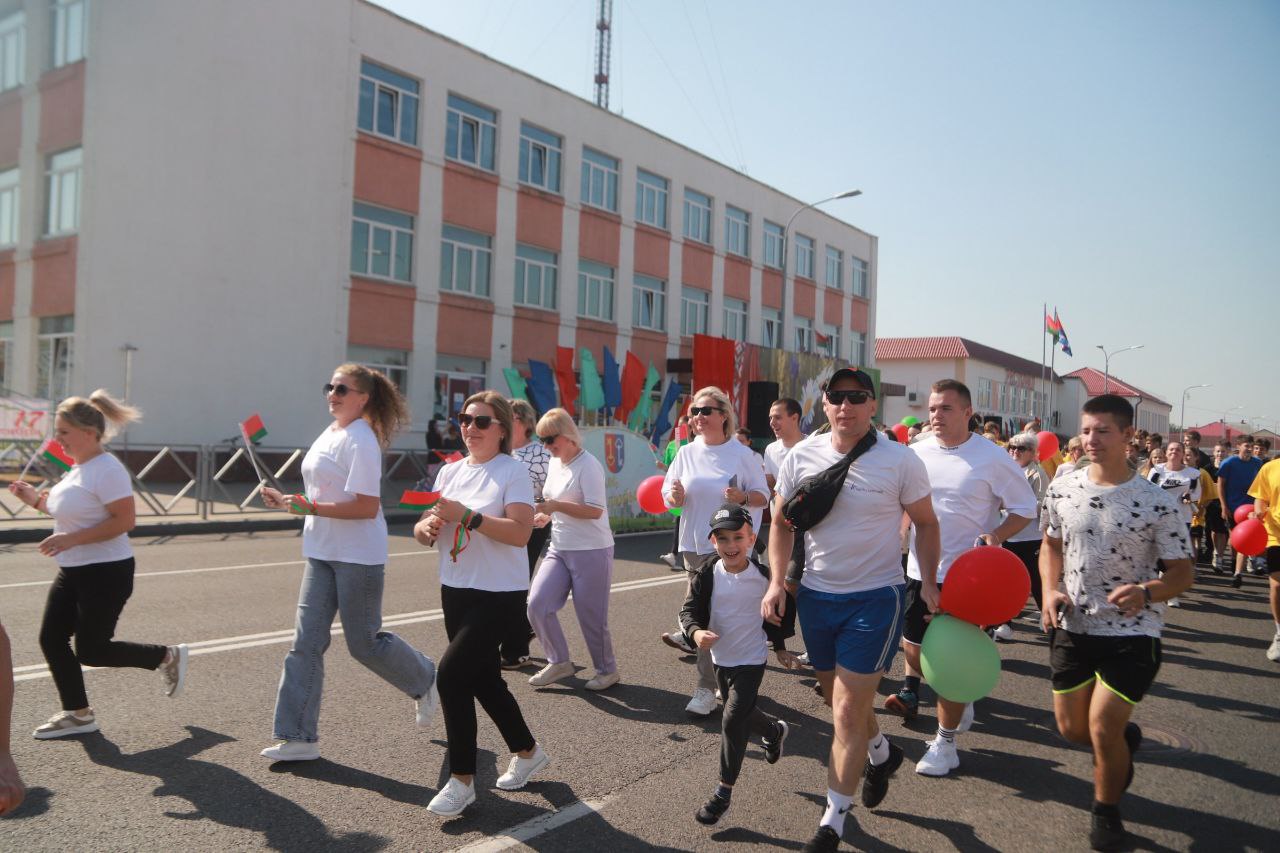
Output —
(857, 398)
(339, 389)
(705, 410)
(548, 440)
(481, 421)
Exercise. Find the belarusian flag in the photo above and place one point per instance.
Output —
(57, 455)
(453, 456)
(420, 501)
(253, 428)
(1052, 326)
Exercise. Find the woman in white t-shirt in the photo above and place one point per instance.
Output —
(482, 521)
(707, 472)
(580, 559)
(93, 512)
(344, 541)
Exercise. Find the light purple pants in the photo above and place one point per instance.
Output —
(587, 574)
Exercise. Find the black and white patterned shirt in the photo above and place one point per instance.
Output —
(1112, 536)
(536, 458)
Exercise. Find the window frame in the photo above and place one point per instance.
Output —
(858, 348)
(804, 252)
(462, 113)
(547, 265)
(13, 51)
(695, 311)
(533, 140)
(59, 340)
(698, 209)
(644, 296)
(771, 328)
(381, 360)
(737, 224)
(652, 197)
(458, 242)
(861, 276)
(804, 337)
(736, 319)
(773, 238)
(597, 164)
(374, 218)
(603, 279)
(10, 206)
(376, 80)
(56, 178)
(62, 14)
(834, 279)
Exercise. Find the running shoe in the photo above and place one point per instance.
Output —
(1108, 833)
(1273, 653)
(292, 750)
(671, 560)
(875, 777)
(520, 769)
(1237, 581)
(515, 663)
(677, 640)
(939, 759)
(773, 745)
(702, 703)
(64, 724)
(904, 703)
(452, 799)
(602, 681)
(803, 657)
(426, 706)
(825, 840)
(174, 673)
(551, 673)
(1002, 634)
(712, 811)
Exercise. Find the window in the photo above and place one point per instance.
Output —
(737, 231)
(771, 331)
(649, 307)
(381, 242)
(388, 104)
(70, 23)
(829, 341)
(984, 393)
(535, 277)
(63, 186)
(599, 180)
(651, 199)
(735, 319)
(859, 276)
(13, 56)
(466, 258)
(804, 257)
(457, 378)
(858, 348)
(471, 133)
(393, 363)
(695, 307)
(1002, 397)
(835, 268)
(6, 353)
(804, 335)
(540, 156)
(772, 245)
(595, 290)
(53, 361)
(9, 207)
(697, 216)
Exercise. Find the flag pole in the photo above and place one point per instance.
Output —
(248, 448)
(1053, 359)
(1044, 315)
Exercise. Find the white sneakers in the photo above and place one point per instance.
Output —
(1003, 633)
(426, 706)
(520, 769)
(455, 796)
(292, 750)
(551, 673)
(174, 673)
(602, 682)
(702, 703)
(66, 723)
(940, 759)
(1273, 653)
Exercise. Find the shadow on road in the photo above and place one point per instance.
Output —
(323, 770)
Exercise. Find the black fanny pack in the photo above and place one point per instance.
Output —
(816, 494)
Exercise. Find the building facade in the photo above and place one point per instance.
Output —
(1149, 411)
(208, 212)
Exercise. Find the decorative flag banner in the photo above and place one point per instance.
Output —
(612, 387)
(253, 428)
(420, 501)
(56, 454)
(632, 383)
(516, 383)
(541, 386)
(641, 412)
(566, 380)
(663, 423)
(713, 360)
(1061, 337)
(592, 390)
(451, 456)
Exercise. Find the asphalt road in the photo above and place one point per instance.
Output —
(629, 768)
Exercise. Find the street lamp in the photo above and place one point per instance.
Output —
(1106, 364)
(1182, 418)
(1226, 436)
(786, 233)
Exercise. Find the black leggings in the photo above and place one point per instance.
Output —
(515, 644)
(474, 621)
(1029, 553)
(740, 686)
(85, 602)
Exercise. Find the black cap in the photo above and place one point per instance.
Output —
(856, 375)
(730, 517)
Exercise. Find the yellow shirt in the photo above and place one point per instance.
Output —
(1051, 464)
(1208, 492)
(1267, 487)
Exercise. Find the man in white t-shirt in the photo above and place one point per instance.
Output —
(850, 600)
(972, 479)
(784, 420)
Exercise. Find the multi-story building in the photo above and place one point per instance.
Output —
(211, 210)
(1149, 411)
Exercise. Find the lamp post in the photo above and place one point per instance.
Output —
(1106, 364)
(1182, 418)
(1226, 435)
(786, 234)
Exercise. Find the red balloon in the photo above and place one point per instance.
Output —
(1048, 444)
(1242, 514)
(986, 585)
(900, 430)
(649, 494)
(1249, 537)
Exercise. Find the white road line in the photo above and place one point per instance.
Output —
(520, 833)
(33, 671)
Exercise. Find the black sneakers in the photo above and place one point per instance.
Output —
(875, 777)
(905, 703)
(773, 746)
(1107, 832)
(712, 811)
(824, 840)
(1133, 738)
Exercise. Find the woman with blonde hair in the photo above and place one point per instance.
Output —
(514, 651)
(93, 512)
(344, 541)
(580, 559)
(482, 521)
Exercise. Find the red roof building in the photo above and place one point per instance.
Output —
(1150, 412)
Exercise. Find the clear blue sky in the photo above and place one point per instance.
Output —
(1118, 160)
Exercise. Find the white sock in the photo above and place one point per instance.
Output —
(949, 735)
(837, 807)
(878, 750)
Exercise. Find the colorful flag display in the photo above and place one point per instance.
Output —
(592, 388)
(56, 454)
(253, 428)
(1061, 337)
(612, 386)
(566, 380)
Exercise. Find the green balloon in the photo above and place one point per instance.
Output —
(674, 510)
(959, 660)
(910, 420)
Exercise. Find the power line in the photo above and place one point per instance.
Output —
(733, 119)
(715, 93)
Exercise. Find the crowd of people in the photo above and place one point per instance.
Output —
(861, 531)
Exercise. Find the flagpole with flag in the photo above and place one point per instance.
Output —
(252, 430)
(1044, 356)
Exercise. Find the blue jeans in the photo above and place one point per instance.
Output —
(355, 591)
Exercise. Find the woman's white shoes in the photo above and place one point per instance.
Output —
(455, 796)
(292, 750)
(520, 769)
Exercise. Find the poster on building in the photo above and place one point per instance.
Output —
(628, 459)
(24, 419)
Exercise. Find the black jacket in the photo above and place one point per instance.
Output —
(695, 615)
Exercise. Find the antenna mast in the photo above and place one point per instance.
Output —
(604, 38)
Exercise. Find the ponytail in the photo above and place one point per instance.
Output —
(101, 412)
(387, 411)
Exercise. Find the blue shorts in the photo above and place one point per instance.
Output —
(858, 630)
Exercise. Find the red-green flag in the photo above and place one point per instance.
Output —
(447, 457)
(1052, 326)
(420, 501)
(253, 428)
(56, 454)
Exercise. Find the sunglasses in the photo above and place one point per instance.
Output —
(705, 410)
(481, 421)
(839, 398)
(548, 440)
(339, 389)
(1019, 449)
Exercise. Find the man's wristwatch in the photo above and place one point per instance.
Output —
(476, 518)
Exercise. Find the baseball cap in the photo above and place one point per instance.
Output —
(856, 375)
(729, 517)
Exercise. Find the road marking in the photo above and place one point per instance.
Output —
(33, 671)
(523, 832)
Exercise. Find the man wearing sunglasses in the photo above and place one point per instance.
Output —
(851, 597)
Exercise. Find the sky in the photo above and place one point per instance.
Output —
(1118, 161)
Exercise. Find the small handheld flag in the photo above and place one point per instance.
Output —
(420, 501)
(452, 456)
(55, 454)
(245, 426)
(253, 428)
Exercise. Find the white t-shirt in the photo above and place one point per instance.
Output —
(857, 546)
(1112, 536)
(706, 471)
(489, 488)
(581, 482)
(1177, 484)
(341, 464)
(971, 483)
(1064, 469)
(774, 453)
(79, 501)
(735, 616)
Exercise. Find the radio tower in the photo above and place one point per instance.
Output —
(604, 37)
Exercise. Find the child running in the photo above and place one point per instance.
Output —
(721, 613)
